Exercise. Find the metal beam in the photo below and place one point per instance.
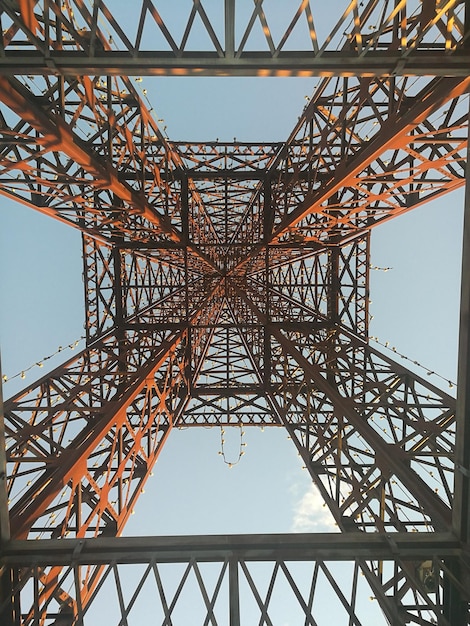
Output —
(296, 63)
(177, 549)
(223, 228)
(461, 509)
(4, 518)
(71, 465)
(394, 134)
(456, 606)
(365, 40)
(58, 135)
(388, 458)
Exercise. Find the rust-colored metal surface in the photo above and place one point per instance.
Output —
(227, 283)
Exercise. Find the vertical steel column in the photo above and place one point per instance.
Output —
(267, 226)
(234, 592)
(461, 508)
(333, 284)
(117, 286)
(229, 29)
(6, 574)
(4, 518)
(456, 607)
(186, 235)
(10, 616)
(333, 270)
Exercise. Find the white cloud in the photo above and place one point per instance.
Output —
(310, 514)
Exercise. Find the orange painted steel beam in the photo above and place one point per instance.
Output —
(29, 414)
(58, 136)
(395, 133)
(36, 499)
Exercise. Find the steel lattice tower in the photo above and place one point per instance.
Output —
(227, 284)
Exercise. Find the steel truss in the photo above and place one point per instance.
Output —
(370, 39)
(209, 572)
(227, 284)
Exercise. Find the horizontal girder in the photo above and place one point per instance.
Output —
(233, 39)
(301, 569)
(287, 64)
(287, 547)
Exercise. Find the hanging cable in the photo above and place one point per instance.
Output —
(241, 451)
(428, 371)
(40, 363)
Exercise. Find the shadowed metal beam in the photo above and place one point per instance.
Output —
(289, 547)
(297, 63)
(456, 606)
(405, 40)
(461, 509)
(4, 517)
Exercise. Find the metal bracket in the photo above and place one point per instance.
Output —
(78, 548)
